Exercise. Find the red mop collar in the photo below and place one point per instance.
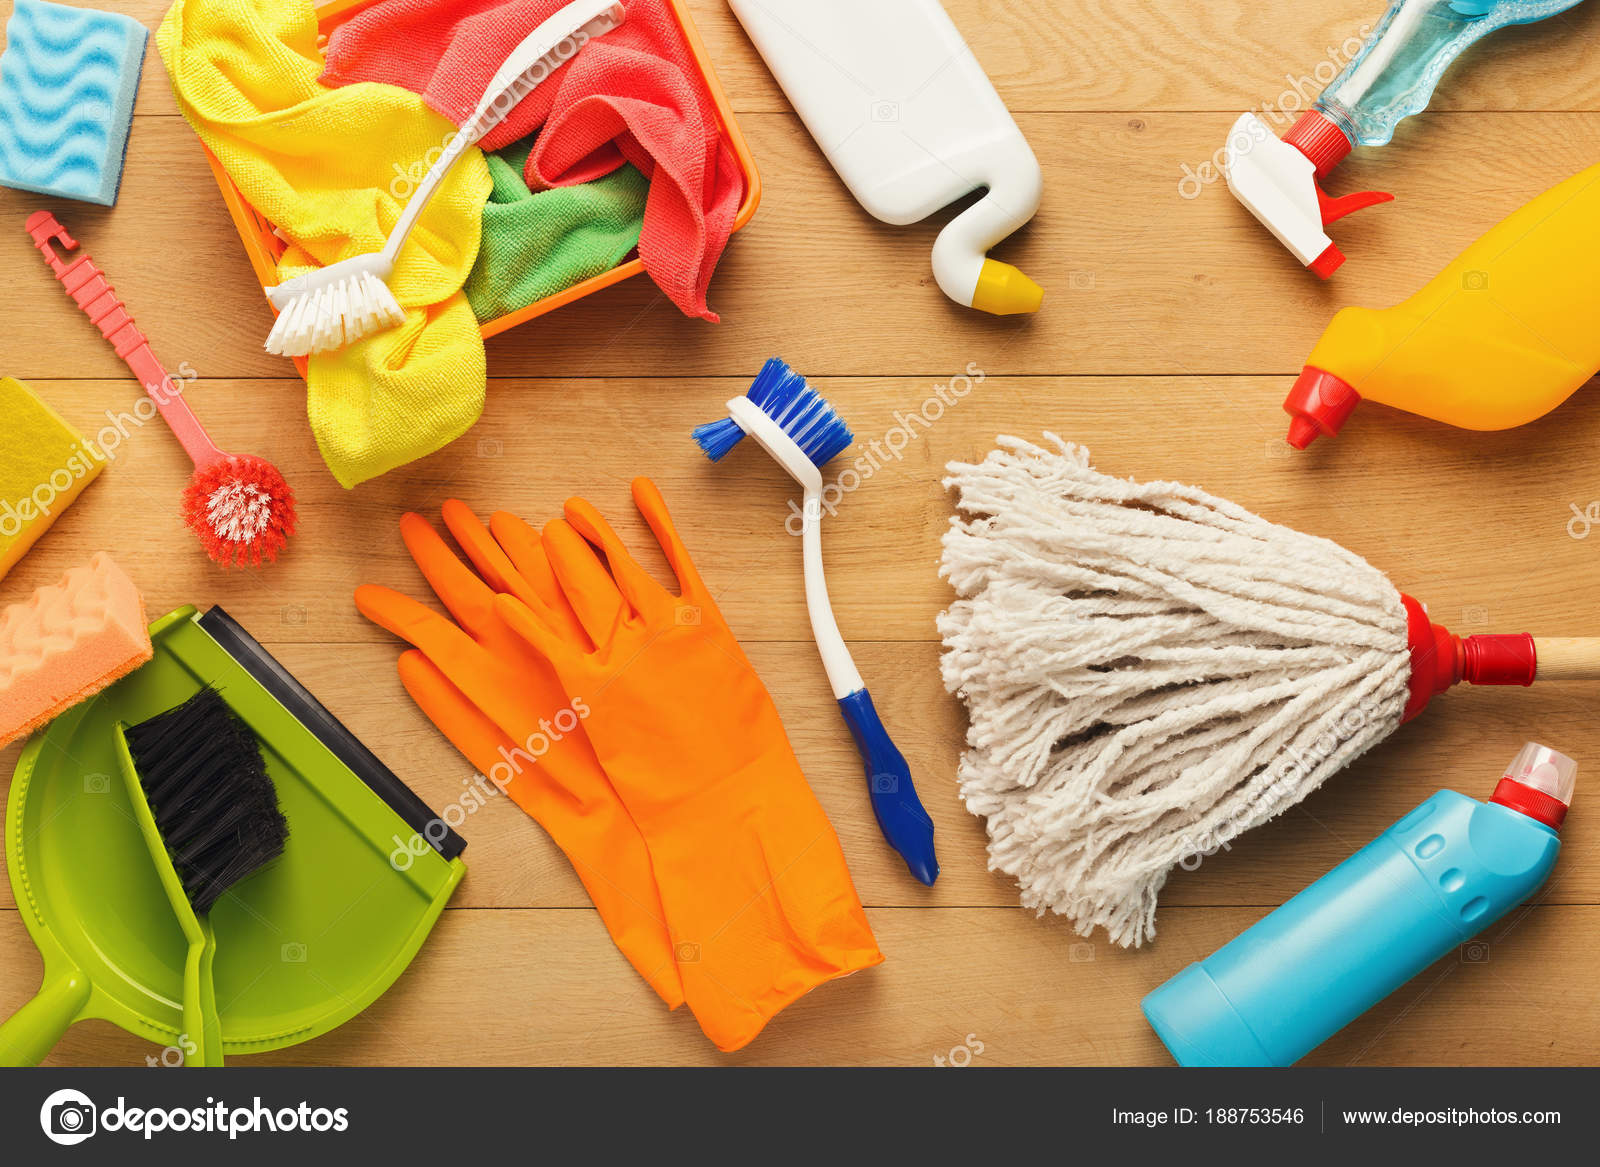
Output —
(1440, 658)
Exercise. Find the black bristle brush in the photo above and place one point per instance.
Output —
(207, 786)
(210, 819)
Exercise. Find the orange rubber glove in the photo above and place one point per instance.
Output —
(502, 706)
(758, 899)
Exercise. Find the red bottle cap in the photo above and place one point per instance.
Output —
(1536, 804)
(1320, 139)
(1539, 784)
(1320, 403)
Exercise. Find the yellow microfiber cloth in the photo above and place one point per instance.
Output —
(44, 465)
(323, 166)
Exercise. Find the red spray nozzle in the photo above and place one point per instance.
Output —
(1320, 403)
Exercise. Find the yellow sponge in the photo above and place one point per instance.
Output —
(44, 465)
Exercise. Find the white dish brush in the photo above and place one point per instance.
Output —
(339, 304)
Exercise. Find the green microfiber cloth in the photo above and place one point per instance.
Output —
(537, 244)
(44, 465)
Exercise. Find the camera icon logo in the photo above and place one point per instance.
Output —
(1475, 952)
(885, 112)
(1475, 281)
(688, 615)
(96, 783)
(293, 953)
(885, 784)
(686, 953)
(68, 1117)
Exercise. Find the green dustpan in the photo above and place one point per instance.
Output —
(301, 947)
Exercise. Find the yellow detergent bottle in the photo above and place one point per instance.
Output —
(1501, 337)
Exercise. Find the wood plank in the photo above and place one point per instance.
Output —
(1139, 279)
(513, 864)
(1462, 745)
(1171, 330)
(1475, 524)
(1224, 55)
(547, 988)
(883, 552)
(1059, 55)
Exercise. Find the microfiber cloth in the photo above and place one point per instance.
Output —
(324, 166)
(536, 244)
(68, 79)
(634, 94)
(44, 466)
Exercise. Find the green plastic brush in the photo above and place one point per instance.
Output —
(209, 816)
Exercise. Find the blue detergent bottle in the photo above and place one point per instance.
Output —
(1435, 879)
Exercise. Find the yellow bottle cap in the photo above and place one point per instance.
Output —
(1004, 291)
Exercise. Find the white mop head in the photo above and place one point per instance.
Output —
(1148, 671)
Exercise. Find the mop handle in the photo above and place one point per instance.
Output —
(1567, 658)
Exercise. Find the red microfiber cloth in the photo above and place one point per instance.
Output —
(633, 95)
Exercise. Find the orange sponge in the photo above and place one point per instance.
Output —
(67, 642)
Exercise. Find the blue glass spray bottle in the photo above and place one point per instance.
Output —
(1393, 76)
(1435, 879)
(1399, 67)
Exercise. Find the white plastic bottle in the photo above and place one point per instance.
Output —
(907, 116)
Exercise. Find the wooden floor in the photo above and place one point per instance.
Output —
(1171, 329)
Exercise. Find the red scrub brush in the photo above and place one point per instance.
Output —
(239, 505)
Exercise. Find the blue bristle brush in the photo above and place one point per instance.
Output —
(796, 425)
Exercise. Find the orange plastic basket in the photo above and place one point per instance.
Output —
(264, 247)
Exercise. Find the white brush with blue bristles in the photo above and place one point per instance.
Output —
(796, 425)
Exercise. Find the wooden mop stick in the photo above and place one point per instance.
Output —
(1567, 658)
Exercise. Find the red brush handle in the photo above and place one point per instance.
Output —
(93, 293)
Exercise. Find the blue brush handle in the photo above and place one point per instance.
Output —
(894, 798)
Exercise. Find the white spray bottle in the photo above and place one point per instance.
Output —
(1393, 77)
(907, 116)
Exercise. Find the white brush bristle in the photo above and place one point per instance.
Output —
(330, 314)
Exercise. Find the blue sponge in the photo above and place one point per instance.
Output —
(67, 82)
